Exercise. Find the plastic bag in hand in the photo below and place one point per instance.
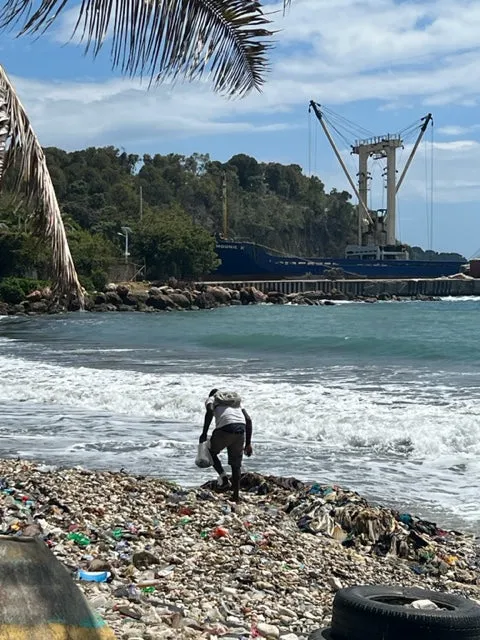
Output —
(204, 459)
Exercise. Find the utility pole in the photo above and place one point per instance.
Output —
(141, 203)
(224, 205)
(126, 231)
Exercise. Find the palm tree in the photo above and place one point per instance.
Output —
(165, 39)
(21, 152)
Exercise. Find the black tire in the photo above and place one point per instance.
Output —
(379, 613)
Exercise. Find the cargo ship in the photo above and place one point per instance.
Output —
(376, 255)
(247, 260)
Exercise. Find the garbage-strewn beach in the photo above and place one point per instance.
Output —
(190, 564)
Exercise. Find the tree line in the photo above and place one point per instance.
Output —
(173, 206)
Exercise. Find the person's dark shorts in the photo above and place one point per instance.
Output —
(232, 438)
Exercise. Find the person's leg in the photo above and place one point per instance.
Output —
(217, 444)
(235, 457)
(236, 483)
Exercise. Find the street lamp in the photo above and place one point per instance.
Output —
(126, 231)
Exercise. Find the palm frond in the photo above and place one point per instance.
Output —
(166, 39)
(20, 150)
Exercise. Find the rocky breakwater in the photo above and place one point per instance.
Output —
(186, 563)
(167, 298)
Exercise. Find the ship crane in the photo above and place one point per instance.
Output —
(376, 229)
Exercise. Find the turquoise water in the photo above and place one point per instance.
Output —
(383, 398)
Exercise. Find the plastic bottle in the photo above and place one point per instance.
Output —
(79, 538)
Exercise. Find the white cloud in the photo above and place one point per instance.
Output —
(406, 55)
(456, 130)
(361, 49)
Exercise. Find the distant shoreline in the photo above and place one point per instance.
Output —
(135, 298)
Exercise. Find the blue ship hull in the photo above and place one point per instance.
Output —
(249, 260)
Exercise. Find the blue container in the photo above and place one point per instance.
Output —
(93, 576)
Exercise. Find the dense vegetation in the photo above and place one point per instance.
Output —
(99, 193)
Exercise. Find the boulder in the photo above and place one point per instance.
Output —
(180, 299)
(141, 297)
(314, 295)
(246, 297)
(112, 297)
(205, 300)
(234, 294)
(338, 295)
(166, 289)
(220, 294)
(73, 304)
(111, 287)
(34, 296)
(257, 295)
(160, 301)
(130, 300)
(100, 298)
(123, 290)
(275, 297)
(47, 293)
(88, 303)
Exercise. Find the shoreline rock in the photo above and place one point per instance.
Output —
(187, 563)
(167, 298)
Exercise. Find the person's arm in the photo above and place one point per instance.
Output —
(248, 433)
(206, 423)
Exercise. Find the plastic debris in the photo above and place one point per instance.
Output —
(94, 576)
(424, 605)
(274, 552)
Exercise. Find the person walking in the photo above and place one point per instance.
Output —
(232, 431)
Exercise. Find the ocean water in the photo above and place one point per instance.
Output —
(384, 398)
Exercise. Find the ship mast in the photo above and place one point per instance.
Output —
(378, 147)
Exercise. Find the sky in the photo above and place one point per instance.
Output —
(381, 64)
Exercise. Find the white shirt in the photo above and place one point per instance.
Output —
(225, 415)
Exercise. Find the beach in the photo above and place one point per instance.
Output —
(187, 563)
(380, 398)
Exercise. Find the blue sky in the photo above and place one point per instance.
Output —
(382, 64)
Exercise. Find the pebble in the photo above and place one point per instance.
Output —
(174, 580)
(268, 630)
(335, 583)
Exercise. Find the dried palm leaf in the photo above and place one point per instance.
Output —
(20, 150)
(166, 39)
